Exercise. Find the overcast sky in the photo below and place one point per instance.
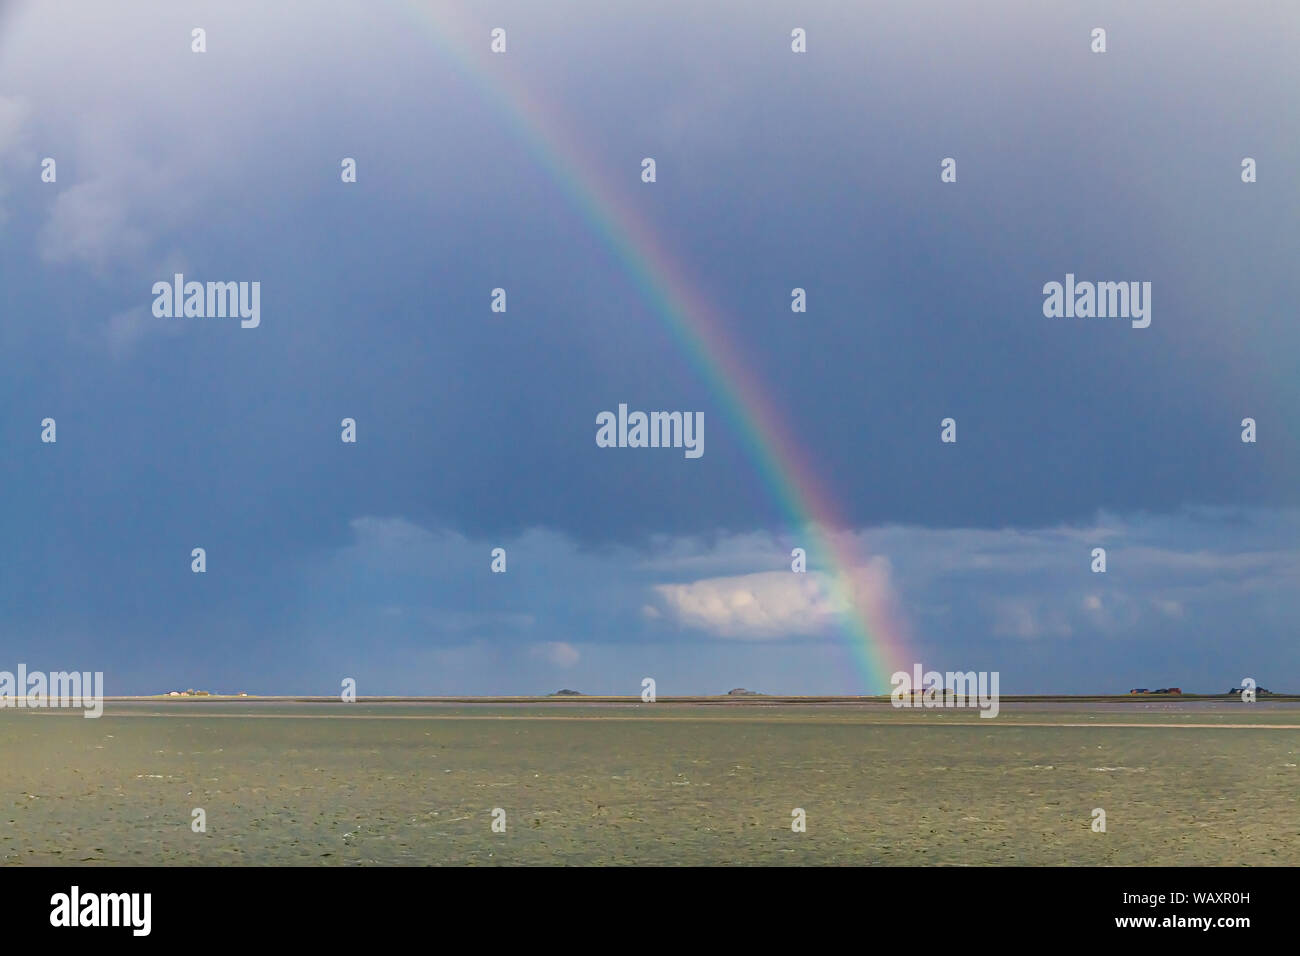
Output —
(476, 430)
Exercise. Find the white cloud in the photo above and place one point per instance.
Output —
(153, 141)
(1167, 607)
(14, 150)
(559, 653)
(771, 604)
(1170, 579)
(752, 606)
(384, 533)
(126, 330)
(14, 112)
(94, 223)
(1027, 618)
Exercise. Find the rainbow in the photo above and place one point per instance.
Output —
(874, 631)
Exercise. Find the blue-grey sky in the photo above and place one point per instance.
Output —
(476, 429)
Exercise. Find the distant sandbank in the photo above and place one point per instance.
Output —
(721, 699)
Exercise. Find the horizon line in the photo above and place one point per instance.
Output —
(682, 698)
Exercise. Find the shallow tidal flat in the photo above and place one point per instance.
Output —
(665, 783)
